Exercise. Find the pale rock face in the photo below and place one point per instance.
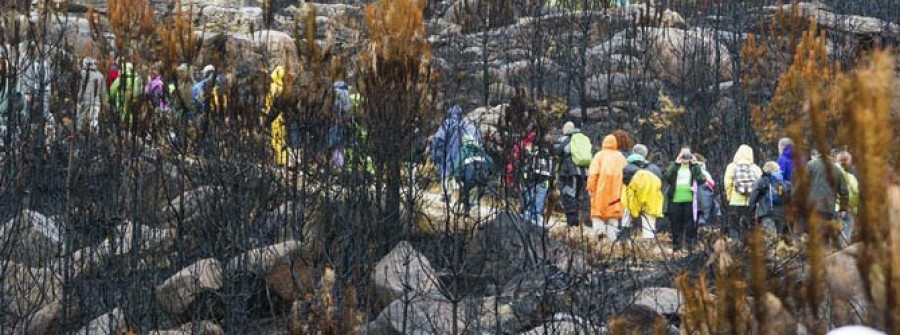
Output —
(179, 291)
(402, 271)
(663, 300)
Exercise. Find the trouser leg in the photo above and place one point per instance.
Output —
(648, 226)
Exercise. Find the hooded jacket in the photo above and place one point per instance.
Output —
(516, 156)
(605, 181)
(744, 155)
(278, 139)
(91, 86)
(448, 141)
(156, 91)
(636, 163)
(786, 162)
(821, 192)
(127, 83)
(643, 190)
(567, 167)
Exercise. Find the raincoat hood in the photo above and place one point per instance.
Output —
(744, 155)
(278, 74)
(610, 143)
(89, 64)
(127, 70)
(529, 137)
(788, 151)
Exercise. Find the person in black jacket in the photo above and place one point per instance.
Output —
(571, 179)
(768, 212)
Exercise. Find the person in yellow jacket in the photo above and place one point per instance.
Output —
(604, 184)
(642, 196)
(278, 140)
(740, 175)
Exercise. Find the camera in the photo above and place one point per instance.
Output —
(687, 156)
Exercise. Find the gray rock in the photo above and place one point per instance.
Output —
(673, 53)
(188, 205)
(506, 246)
(262, 260)
(194, 328)
(607, 87)
(427, 315)
(111, 323)
(30, 238)
(402, 271)
(46, 320)
(177, 293)
(853, 24)
(26, 290)
(856, 330)
(845, 288)
(662, 300)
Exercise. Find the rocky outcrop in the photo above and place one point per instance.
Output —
(662, 300)
(27, 289)
(851, 24)
(261, 261)
(673, 54)
(187, 207)
(111, 323)
(402, 271)
(846, 290)
(193, 328)
(46, 320)
(507, 246)
(30, 238)
(178, 292)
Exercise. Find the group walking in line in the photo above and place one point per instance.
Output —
(618, 192)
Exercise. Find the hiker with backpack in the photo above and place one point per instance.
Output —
(641, 150)
(91, 92)
(574, 153)
(447, 144)
(707, 207)
(768, 199)
(642, 197)
(682, 177)
(786, 157)
(474, 170)
(537, 171)
(604, 184)
(343, 118)
(845, 163)
(828, 191)
(740, 175)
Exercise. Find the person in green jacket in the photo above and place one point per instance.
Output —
(845, 162)
(125, 91)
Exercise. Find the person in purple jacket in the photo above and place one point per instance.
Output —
(786, 158)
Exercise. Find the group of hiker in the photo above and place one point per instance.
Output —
(122, 86)
(618, 192)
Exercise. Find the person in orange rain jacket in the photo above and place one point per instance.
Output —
(605, 187)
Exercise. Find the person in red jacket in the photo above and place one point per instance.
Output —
(113, 74)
